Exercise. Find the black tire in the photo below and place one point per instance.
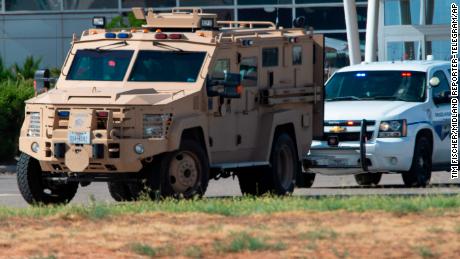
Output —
(37, 191)
(419, 174)
(180, 174)
(368, 179)
(280, 177)
(124, 191)
(305, 180)
(250, 181)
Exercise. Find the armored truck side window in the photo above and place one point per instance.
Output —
(248, 71)
(221, 67)
(107, 65)
(166, 66)
(270, 57)
(297, 55)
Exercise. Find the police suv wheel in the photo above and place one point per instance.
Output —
(35, 190)
(183, 173)
(368, 179)
(419, 174)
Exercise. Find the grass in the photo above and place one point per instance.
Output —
(143, 249)
(240, 206)
(319, 234)
(425, 252)
(194, 252)
(243, 241)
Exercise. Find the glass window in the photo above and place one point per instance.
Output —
(267, 14)
(148, 3)
(89, 4)
(248, 71)
(322, 1)
(107, 65)
(297, 55)
(263, 2)
(443, 85)
(329, 18)
(167, 66)
(438, 12)
(270, 57)
(377, 85)
(404, 50)
(402, 12)
(205, 2)
(337, 55)
(37, 5)
(440, 49)
(221, 67)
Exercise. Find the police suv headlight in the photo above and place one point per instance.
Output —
(156, 125)
(393, 129)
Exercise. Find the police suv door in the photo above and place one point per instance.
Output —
(441, 117)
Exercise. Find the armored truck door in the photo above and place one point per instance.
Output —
(221, 113)
(246, 108)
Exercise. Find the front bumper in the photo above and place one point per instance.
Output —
(382, 155)
(123, 160)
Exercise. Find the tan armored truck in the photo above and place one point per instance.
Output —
(168, 106)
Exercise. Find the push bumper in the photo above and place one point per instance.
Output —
(354, 157)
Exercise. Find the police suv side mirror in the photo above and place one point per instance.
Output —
(41, 81)
(442, 98)
(434, 81)
(226, 86)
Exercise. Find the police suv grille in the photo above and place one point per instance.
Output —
(346, 136)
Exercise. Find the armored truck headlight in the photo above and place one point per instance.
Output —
(207, 23)
(139, 149)
(393, 129)
(35, 147)
(34, 124)
(156, 125)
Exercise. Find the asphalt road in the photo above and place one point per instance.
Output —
(323, 186)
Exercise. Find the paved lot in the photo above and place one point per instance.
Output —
(323, 186)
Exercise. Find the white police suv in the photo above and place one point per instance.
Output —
(385, 117)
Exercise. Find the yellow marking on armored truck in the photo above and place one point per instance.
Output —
(170, 105)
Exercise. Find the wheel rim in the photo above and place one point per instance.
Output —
(285, 166)
(184, 172)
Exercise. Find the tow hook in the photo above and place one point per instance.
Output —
(362, 145)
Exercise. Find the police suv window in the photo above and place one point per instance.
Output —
(270, 57)
(297, 55)
(248, 71)
(443, 85)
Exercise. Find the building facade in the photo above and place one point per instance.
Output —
(408, 29)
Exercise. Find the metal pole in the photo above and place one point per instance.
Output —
(351, 22)
(371, 30)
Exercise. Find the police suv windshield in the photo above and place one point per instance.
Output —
(167, 66)
(406, 86)
(100, 65)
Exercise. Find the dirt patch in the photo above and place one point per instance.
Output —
(282, 235)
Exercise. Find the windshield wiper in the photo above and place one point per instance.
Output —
(396, 98)
(100, 48)
(160, 44)
(344, 98)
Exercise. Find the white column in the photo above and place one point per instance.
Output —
(371, 30)
(351, 22)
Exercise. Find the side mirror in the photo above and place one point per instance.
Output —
(442, 98)
(434, 81)
(41, 81)
(227, 86)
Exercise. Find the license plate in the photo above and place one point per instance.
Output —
(338, 162)
(79, 138)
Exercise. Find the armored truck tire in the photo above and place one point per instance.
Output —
(279, 178)
(36, 190)
(367, 179)
(419, 174)
(124, 191)
(183, 173)
(305, 179)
